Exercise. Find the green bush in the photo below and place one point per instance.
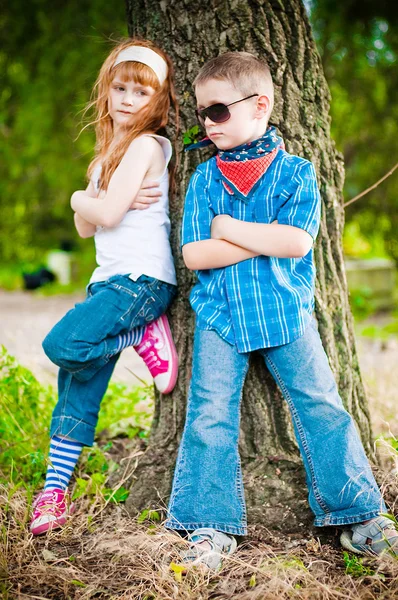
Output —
(26, 407)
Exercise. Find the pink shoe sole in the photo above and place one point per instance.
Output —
(174, 356)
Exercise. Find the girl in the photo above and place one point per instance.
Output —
(135, 280)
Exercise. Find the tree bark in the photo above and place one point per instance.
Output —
(192, 32)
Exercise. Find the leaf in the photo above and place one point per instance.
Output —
(141, 518)
(116, 496)
(191, 136)
(391, 517)
(178, 571)
(78, 583)
(150, 515)
(48, 555)
(81, 487)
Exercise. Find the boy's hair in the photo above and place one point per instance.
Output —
(247, 73)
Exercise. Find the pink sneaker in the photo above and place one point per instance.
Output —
(50, 511)
(159, 353)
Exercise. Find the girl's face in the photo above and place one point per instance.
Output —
(126, 100)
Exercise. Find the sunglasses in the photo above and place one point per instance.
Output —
(218, 113)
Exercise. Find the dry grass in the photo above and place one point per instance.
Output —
(105, 554)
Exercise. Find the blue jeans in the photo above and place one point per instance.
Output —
(208, 487)
(84, 345)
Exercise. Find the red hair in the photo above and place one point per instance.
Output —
(153, 117)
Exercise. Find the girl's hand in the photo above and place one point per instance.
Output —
(218, 226)
(148, 194)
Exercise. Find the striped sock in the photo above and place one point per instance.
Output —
(132, 338)
(64, 454)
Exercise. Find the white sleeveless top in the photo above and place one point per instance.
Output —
(139, 244)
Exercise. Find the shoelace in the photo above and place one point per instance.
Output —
(48, 507)
(148, 355)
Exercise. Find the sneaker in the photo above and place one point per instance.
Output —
(373, 537)
(207, 547)
(159, 353)
(50, 510)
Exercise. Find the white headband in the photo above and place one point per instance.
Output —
(145, 56)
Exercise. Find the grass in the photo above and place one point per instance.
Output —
(26, 407)
(106, 553)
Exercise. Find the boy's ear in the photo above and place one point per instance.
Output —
(263, 106)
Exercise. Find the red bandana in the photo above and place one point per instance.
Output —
(244, 175)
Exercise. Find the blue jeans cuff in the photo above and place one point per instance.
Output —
(75, 429)
(330, 519)
(231, 529)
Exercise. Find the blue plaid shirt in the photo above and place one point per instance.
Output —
(263, 301)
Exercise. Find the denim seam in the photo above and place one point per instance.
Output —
(62, 417)
(232, 529)
(125, 289)
(177, 474)
(330, 520)
(158, 288)
(301, 432)
(65, 398)
(239, 481)
(77, 422)
(239, 486)
(240, 491)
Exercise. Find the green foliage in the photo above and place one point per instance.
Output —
(361, 240)
(83, 264)
(126, 411)
(26, 408)
(354, 566)
(49, 62)
(392, 443)
(361, 303)
(358, 43)
(148, 515)
(383, 332)
(192, 135)
(116, 496)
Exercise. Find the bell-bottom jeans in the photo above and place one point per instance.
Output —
(208, 488)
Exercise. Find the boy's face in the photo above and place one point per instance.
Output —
(247, 122)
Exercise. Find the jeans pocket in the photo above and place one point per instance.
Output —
(125, 284)
(163, 293)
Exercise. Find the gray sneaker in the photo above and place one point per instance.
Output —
(207, 547)
(373, 537)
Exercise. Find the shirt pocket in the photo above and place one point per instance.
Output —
(265, 209)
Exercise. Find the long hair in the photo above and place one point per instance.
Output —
(151, 119)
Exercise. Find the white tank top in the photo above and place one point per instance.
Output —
(139, 244)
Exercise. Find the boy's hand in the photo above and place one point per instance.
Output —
(148, 194)
(218, 226)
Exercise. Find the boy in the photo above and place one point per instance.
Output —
(251, 216)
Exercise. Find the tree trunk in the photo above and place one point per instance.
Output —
(192, 32)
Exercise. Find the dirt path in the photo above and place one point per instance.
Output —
(25, 320)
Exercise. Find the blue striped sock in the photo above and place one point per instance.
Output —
(64, 454)
(131, 338)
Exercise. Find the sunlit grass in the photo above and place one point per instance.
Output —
(26, 407)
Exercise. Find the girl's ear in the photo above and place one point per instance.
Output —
(262, 107)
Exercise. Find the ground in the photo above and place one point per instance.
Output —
(105, 553)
